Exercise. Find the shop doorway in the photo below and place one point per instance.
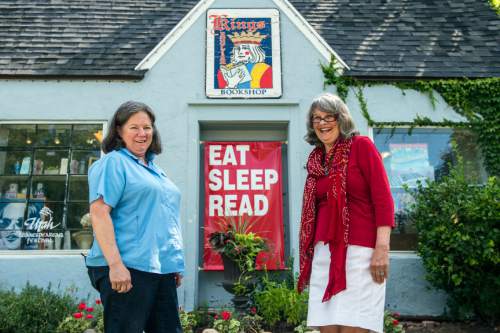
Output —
(209, 289)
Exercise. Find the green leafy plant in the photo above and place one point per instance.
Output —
(302, 328)
(225, 323)
(33, 310)
(83, 318)
(495, 4)
(391, 323)
(204, 317)
(278, 301)
(196, 320)
(240, 287)
(251, 323)
(188, 321)
(235, 240)
(459, 241)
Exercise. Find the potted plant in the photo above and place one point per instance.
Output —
(238, 247)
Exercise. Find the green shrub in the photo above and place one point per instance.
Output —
(251, 323)
(33, 310)
(278, 301)
(459, 242)
(188, 321)
(7, 300)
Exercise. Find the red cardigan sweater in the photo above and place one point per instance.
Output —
(369, 196)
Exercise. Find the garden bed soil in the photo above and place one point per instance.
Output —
(428, 326)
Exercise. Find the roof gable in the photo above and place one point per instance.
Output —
(316, 40)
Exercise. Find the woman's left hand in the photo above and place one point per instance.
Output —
(379, 265)
(178, 279)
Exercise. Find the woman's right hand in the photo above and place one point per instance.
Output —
(120, 278)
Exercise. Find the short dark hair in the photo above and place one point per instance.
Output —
(113, 141)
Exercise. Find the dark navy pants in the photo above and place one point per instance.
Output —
(150, 306)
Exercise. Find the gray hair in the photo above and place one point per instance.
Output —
(333, 105)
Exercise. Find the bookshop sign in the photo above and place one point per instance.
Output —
(243, 53)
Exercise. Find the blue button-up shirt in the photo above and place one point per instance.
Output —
(145, 213)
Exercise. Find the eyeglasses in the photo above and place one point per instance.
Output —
(327, 119)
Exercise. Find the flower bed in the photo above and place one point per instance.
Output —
(86, 317)
(42, 310)
(226, 321)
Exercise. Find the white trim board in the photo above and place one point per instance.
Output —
(200, 9)
(301, 23)
(173, 36)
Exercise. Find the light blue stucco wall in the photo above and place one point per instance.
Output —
(175, 89)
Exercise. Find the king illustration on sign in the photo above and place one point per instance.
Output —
(243, 56)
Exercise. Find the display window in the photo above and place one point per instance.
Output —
(43, 185)
(418, 156)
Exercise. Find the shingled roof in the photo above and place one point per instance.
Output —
(377, 38)
(400, 38)
(103, 38)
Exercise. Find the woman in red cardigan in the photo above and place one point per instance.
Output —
(347, 216)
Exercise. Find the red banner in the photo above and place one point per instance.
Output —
(243, 181)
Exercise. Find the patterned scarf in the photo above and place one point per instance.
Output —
(337, 202)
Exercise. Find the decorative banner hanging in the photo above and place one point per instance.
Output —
(243, 53)
(243, 182)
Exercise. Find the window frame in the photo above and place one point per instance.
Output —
(24, 252)
(371, 134)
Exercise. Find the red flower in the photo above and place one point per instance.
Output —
(226, 315)
(77, 315)
(82, 306)
(395, 314)
(89, 316)
(395, 322)
(90, 309)
(216, 317)
(98, 301)
(253, 310)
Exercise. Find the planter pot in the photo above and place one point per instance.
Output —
(241, 303)
(83, 239)
(231, 274)
(232, 271)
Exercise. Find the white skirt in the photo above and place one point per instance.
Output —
(361, 304)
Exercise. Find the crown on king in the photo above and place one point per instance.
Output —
(247, 38)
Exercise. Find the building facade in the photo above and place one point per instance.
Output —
(67, 72)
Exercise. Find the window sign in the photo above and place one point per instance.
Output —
(409, 164)
(43, 185)
(243, 53)
(243, 183)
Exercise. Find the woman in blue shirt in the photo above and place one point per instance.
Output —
(137, 258)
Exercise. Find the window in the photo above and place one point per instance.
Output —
(412, 157)
(43, 185)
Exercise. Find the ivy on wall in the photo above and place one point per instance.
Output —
(478, 100)
(496, 5)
